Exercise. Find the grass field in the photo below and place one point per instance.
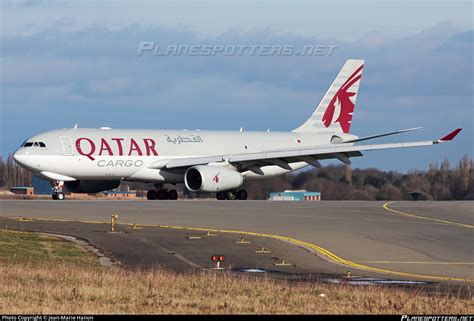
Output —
(24, 247)
(41, 274)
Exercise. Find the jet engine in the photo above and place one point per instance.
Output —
(205, 178)
(92, 186)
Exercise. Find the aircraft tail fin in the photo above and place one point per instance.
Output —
(334, 112)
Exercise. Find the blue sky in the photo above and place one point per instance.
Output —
(65, 63)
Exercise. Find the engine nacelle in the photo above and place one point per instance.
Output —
(91, 186)
(205, 178)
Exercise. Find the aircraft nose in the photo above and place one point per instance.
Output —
(21, 158)
(16, 156)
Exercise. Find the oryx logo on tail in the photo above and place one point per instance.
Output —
(334, 112)
(341, 107)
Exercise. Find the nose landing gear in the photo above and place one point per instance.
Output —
(57, 187)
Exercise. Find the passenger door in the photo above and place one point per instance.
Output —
(67, 146)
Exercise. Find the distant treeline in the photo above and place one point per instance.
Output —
(439, 182)
(335, 182)
(13, 175)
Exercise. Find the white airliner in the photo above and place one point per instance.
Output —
(94, 160)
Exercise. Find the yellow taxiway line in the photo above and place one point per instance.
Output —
(326, 253)
(385, 206)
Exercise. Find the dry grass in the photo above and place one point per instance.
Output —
(65, 283)
(65, 288)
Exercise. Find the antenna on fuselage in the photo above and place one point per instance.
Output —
(241, 129)
(75, 126)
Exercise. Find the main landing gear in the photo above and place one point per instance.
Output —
(162, 194)
(57, 187)
(232, 195)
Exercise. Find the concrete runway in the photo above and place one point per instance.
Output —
(415, 239)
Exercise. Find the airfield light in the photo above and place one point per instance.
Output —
(218, 259)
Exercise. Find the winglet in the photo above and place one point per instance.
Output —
(450, 136)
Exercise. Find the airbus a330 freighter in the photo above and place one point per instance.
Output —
(94, 160)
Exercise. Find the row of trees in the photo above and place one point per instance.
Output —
(13, 175)
(439, 182)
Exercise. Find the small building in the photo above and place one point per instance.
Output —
(298, 195)
(22, 190)
(120, 194)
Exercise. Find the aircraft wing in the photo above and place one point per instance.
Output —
(311, 155)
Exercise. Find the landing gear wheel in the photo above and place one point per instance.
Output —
(57, 187)
(231, 195)
(151, 195)
(172, 194)
(242, 195)
(162, 194)
(221, 196)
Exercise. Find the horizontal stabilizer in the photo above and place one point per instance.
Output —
(380, 135)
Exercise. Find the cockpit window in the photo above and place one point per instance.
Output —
(35, 144)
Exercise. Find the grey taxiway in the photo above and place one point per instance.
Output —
(409, 240)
